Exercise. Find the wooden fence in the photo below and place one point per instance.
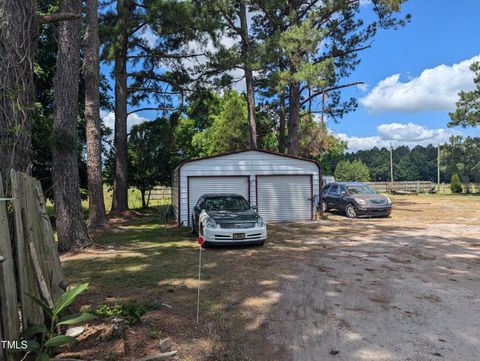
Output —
(31, 264)
(160, 193)
(407, 186)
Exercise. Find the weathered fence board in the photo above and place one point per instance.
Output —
(32, 263)
(31, 312)
(51, 258)
(10, 323)
(34, 236)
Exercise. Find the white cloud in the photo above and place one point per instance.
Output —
(363, 87)
(409, 132)
(398, 134)
(149, 36)
(133, 119)
(435, 89)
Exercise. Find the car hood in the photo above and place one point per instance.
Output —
(376, 198)
(229, 216)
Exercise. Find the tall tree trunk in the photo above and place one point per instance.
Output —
(247, 64)
(120, 183)
(17, 95)
(293, 117)
(91, 69)
(144, 203)
(72, 231)
(281, 130)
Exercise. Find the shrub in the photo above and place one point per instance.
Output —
(456, 184)
(131, 310)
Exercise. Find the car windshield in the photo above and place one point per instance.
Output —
(360, 189)
(226, 203)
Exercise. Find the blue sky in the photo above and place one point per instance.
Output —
(431, 57)
(412, 76)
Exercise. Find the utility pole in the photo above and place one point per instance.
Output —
(391, 163)
(438, 169)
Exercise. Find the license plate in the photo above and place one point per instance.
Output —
(239, 236)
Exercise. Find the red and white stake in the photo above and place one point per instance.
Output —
(200, 241)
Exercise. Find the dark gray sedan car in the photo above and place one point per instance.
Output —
(356, 199)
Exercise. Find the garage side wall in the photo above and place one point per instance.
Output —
(251, 164)
(174, 194)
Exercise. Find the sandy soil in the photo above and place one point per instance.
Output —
(404, 288)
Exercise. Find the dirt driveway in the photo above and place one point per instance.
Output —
(403, 288)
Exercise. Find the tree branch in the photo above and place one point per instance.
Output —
(50, 18)
(137, 28)
(336, 54)
(154, 78)
(230, 22)
(160, 108)
(166, 56)
(132, 90)
(326, 90)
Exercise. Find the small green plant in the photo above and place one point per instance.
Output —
(131, 310)
(456, 184)
(42, 340)
(154, 332)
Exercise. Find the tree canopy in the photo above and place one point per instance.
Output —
(355, 171)
(468, 107)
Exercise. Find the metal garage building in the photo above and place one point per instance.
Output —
(280, 186)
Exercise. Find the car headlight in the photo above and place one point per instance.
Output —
(211, 223)
(389, 201)
(360, 201)
(260, 222)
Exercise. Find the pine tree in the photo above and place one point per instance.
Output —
(456, 184)
(232, 21)
(72, 232)
(315, 44)
(145, 72)
(91, 69)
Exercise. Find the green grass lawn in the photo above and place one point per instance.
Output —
(133, 254)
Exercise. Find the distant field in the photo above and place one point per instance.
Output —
(134, 200)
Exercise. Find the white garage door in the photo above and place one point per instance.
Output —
(201, 185)
(284, 198)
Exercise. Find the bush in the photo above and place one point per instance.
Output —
(355, 171)
(456, 184)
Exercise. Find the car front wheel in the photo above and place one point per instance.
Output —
(351, 211)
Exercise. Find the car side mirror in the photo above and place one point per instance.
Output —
(254, 207)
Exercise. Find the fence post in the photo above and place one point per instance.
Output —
(9, 320)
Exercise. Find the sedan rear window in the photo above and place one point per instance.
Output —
(226, 203)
